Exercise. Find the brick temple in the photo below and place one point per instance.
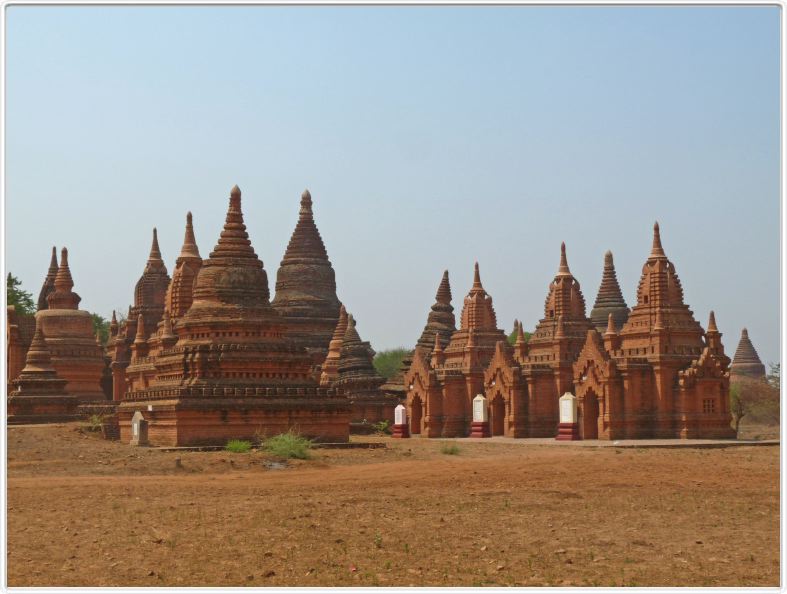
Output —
(652, 372)
(226, 368)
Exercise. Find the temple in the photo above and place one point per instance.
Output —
(746, 362)
(68, 332)
(227, 369)
(523, 382)
(39, 394)
(652, 372)
(306, 288)
(440, 386)
(661, 375)
(609, 299)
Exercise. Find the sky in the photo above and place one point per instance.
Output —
(429, 137)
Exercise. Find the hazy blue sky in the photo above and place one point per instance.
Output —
(429, 138)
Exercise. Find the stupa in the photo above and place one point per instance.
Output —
(180, 292)
(68, 333)
(19, 332)
(39, 394)
(609, 299)
(232, 372)
(306, 287)
(746, 363)
(360, 382)
(330, 367)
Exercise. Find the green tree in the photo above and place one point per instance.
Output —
(738, 405)
(387, 363)
(512, 337)
(22, 300)
(100, 326)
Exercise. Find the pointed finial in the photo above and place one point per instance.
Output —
(438, 348)
(608, 259)
(520, 334)
(64, 258)
(235, 191)
(657, 249)
(53, 261)
(476, 277)
(611, 330)
(189, 248)
(155, 252)
(712, 322)
(306, 203)
(744, 333)
(444, 290)
(563, 268)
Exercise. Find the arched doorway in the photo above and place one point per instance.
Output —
(497, 413)
(416, 414)
(589, 421)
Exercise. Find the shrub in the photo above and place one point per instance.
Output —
(94, 422)
(450, 449)
(289, 445)
(383, 427)
(239, 446)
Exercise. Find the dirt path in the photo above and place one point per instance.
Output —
(407, 515)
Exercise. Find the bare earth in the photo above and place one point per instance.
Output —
(83, 511)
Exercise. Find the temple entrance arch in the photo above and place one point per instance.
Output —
(588, 425)
(497, 415)
(416, 415)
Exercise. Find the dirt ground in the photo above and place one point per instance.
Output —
(83, 511)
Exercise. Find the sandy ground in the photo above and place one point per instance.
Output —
(82, 511)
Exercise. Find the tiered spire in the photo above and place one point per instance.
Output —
(49, 282)
(38, 377)
(63, 297)
(565, 296)
(441, 320)
(746, 361)
(478, 313)
(609, 300)
(233, 275)
(306, 285)
(180, 292)
(356, 368)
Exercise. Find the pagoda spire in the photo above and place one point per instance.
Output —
(113, 325)
(441, 318)
(38, 357)
(609, 299)
(712, 323)
(563, 268)
(189, 249)
(746, 361)
(155, 252)
(234, 240)
(443, 295)
(657, 251)
(477, 278)
(49, 282)
(330, 367)
(63, 297)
